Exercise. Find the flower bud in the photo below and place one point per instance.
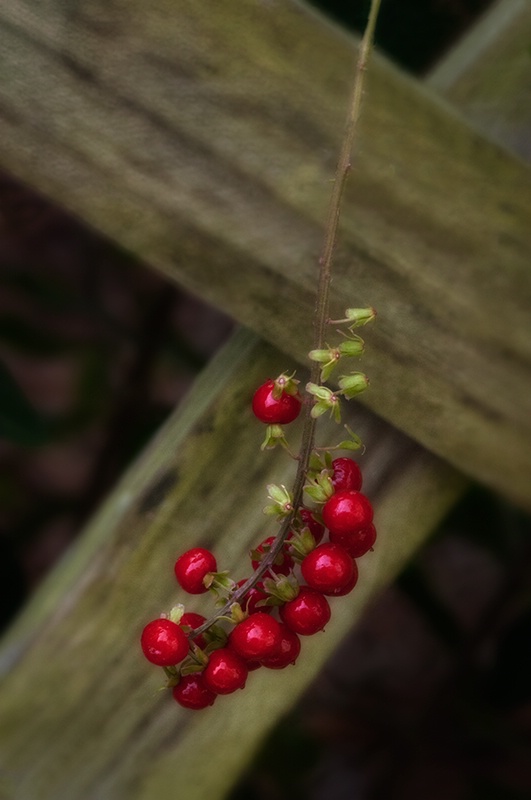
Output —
(360, 316)
(352, 385)
(352, 347)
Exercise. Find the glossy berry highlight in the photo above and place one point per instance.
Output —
(256, 637)
(356, 543)
(193, 567)
(347, 512)
(346, 475)
(274, 406)
(348, 586)
(307, 614)
(164, 643)
(287, 651)
(225, 672)
(328, 568)
(191, 692)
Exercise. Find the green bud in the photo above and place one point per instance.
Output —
(320, 488)
(274, 436)
(283, 588)
(322, 356)
(302, 543)
(176, 613)
(352, 385)
(360, 316)
(352, 347)
(282, 504)
(285, 384)
(278, 493)
(350, 444)
(237, 614)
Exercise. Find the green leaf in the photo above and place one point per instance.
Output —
(348, 444)
(353, 443)
(327, 370)
(321, 392)
(20, 422)
(320, 408)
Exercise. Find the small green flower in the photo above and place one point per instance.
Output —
(285, 384)
(352, 347)
(352, 385)
(356, 317)
(282, 501)
(352, 443)
(327, 400)
(320, 488)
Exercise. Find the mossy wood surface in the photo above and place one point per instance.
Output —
(81, 713)
(80, 716)
(202, 137)
(489, 75)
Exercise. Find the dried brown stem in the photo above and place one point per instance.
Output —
(321, 312)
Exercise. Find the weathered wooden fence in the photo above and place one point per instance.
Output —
(203, 140)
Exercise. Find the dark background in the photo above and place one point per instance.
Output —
(430, 697)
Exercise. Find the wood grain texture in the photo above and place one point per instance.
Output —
(81, 716)
(203, 140)
(489, 75)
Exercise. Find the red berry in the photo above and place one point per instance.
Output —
(256, 637)
(347, 512)
(189, 621)
(275, 411)
(252, 665)
(257, 594)
(349, 586)
(287, 652)
(191, 692)
(283, 563)
(356, 543)
(164, 643)
(225, 672)
(328, 568)
(192, 567)
(346, 475)
(308, 521)
(307, 613)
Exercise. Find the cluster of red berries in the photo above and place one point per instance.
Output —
(305, 572)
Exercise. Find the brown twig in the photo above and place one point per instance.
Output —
(321, 312)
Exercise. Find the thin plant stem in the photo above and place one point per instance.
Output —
(320, 316)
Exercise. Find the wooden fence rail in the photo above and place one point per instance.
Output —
(202, 151)
(203, 138)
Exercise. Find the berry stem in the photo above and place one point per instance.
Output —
(321, 314)
(342, 171)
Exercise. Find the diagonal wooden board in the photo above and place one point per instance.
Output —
(81, 714)
(203, 137)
